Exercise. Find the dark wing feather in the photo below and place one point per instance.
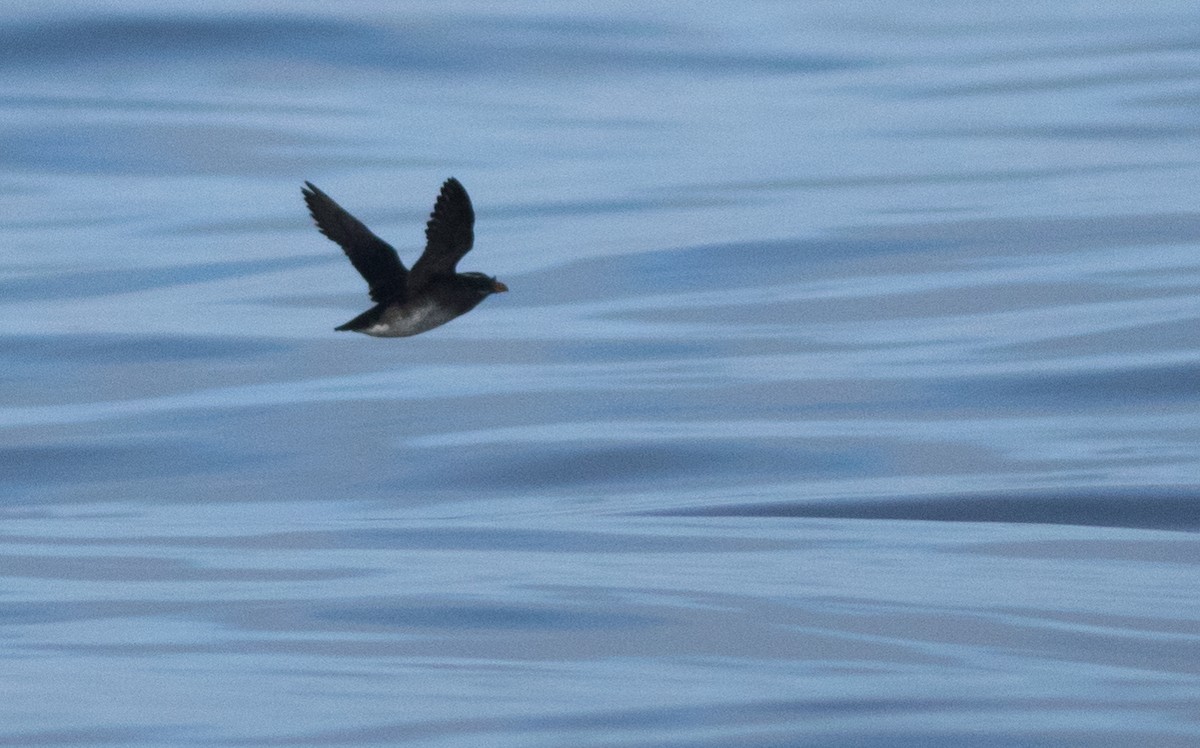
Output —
(448, 235)
(371, 256)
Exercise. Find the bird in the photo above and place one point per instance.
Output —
(409, 302)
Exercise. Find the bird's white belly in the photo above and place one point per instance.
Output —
(399, 322)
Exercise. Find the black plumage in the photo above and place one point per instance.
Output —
(409, 302)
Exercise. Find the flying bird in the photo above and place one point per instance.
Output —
(432, 293)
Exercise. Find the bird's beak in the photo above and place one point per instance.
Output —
(498, 287)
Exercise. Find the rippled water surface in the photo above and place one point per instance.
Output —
(847, 392)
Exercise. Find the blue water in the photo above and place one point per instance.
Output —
(847, 392)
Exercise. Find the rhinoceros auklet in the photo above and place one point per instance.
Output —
(408, 302)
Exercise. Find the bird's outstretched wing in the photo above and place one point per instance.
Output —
(371, 256)
(448, 235)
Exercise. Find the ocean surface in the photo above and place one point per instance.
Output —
(847, 393)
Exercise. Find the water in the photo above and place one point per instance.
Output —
(846, 394)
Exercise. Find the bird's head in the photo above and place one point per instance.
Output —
(485, 285)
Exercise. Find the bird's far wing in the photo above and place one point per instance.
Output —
(371, 256)
(448, 235)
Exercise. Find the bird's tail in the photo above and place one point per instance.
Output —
(363, 321)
